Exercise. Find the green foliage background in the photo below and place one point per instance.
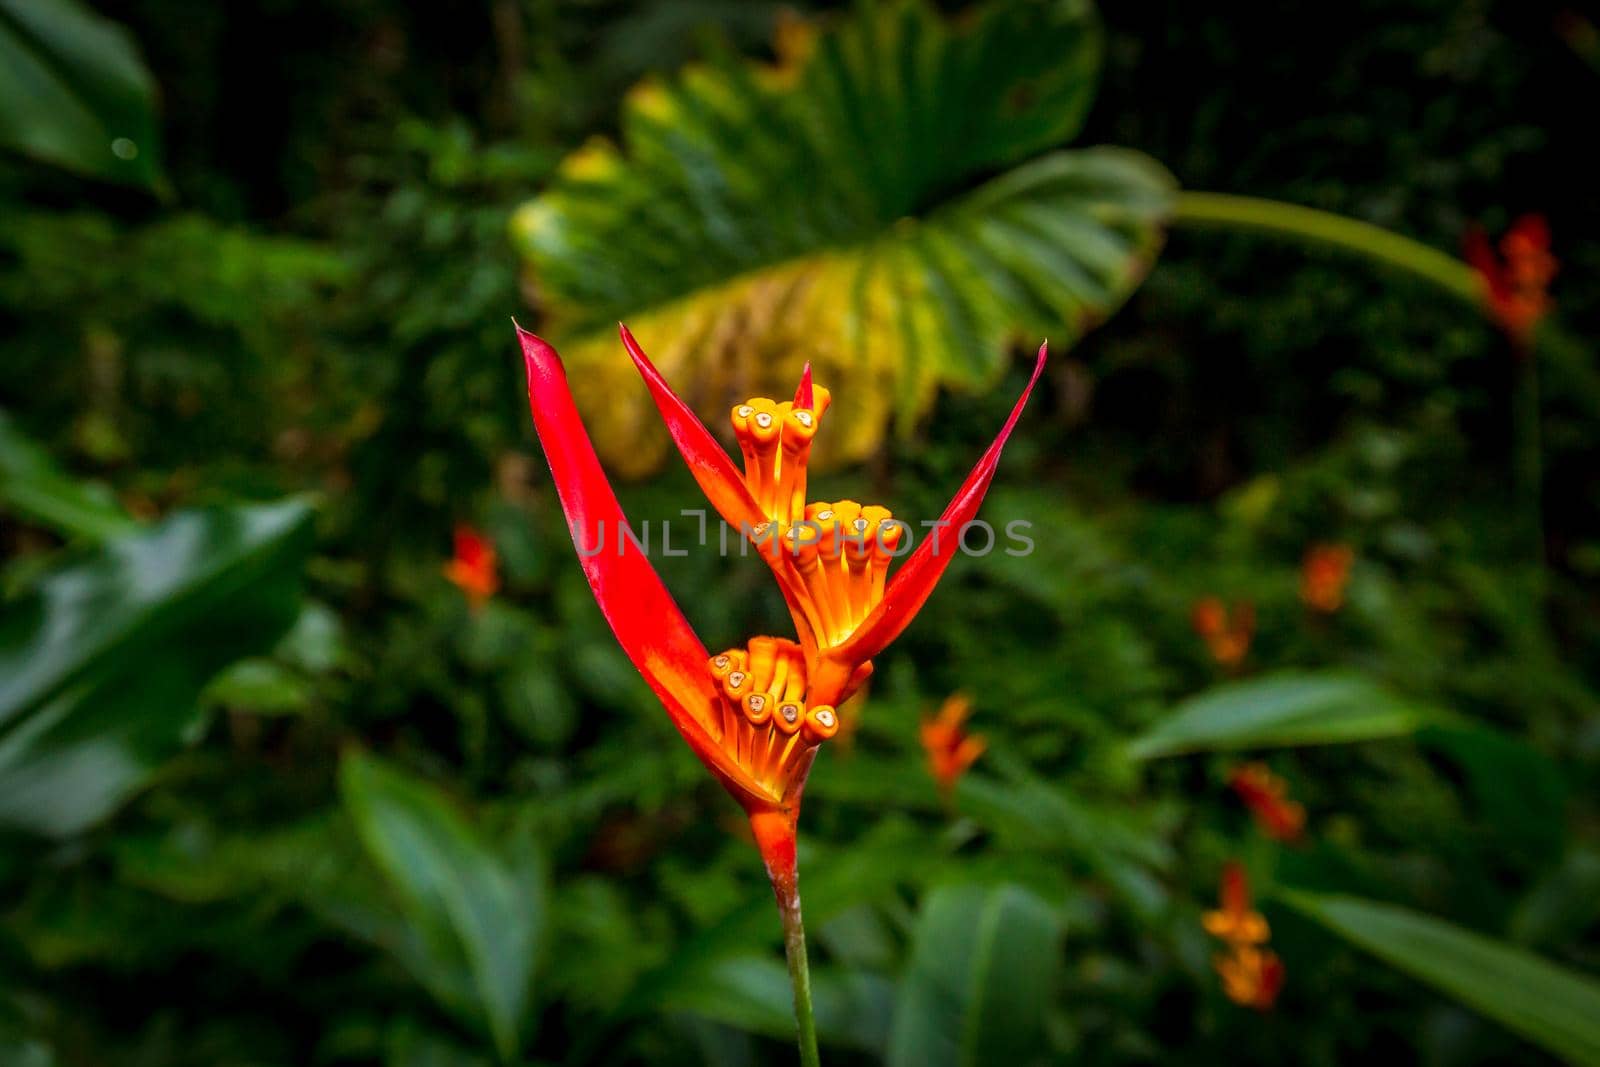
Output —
(314, 810)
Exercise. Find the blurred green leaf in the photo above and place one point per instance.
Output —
(32, 485)
(258, 685)
(74, 92)
(472, 906)
(824, 210)
(101, 666)
(1516, 788)
(1281, 710)
(1556, 1009)
(753, 993)
(892, 854)
(984, 963)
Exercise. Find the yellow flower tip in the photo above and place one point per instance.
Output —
(822, 723)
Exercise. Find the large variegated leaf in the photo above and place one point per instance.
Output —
(889, 202)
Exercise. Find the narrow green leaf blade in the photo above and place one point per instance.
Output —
(1555, 1008)
(984, 961)
(1281, 710)
(33, 486)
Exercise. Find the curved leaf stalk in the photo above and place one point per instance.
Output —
(1383, 246)
(1324, 227)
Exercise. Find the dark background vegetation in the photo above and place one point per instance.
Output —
(321, 304)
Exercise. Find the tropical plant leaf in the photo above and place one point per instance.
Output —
(984, 961)
(32, 485)
(850, 206)
(893, 854)
(1555, 1008)
(1281, 710)
(101, 666)
(753, 993)
(473, 909)
(74, 92)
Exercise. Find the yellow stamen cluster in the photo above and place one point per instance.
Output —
(841, 554)
(766, 726)
(776, 441)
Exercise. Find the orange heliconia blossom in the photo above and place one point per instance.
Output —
(951, 750)
(1226, 631)
(1516, 282)
(1324, 573)
(475, 566)
(754, 715)
(1251, 973)
(1267, 797)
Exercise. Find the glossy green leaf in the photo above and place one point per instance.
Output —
(74, 92)
(984, 963)
(101, 666)
(888, 202)
(472, 906)
(33, 486)
(1555, 1008)
(1281, 710)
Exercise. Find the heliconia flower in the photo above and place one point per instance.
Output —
(1252, 974)
(1516, 282)
(1226, 631)
(1324, 573)
(831, 559)
(755, 716)
(1251, 977)
(1267, 797)
(474, 567)
(1236, 922)
(951, 750)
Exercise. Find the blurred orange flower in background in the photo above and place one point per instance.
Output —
(1226, 631)
(1266, 795)
(1323, 576)
(475, 566)
(1251, 973)
(1516, 281)
(951, 750)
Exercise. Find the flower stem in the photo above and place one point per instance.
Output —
(794, 947)
(1324, 227)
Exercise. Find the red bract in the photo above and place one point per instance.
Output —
(1267, 797)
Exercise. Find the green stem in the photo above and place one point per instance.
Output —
(794, 947)
(1324, 227)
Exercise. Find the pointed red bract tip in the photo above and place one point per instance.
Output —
(803, 397)
(913, 583)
